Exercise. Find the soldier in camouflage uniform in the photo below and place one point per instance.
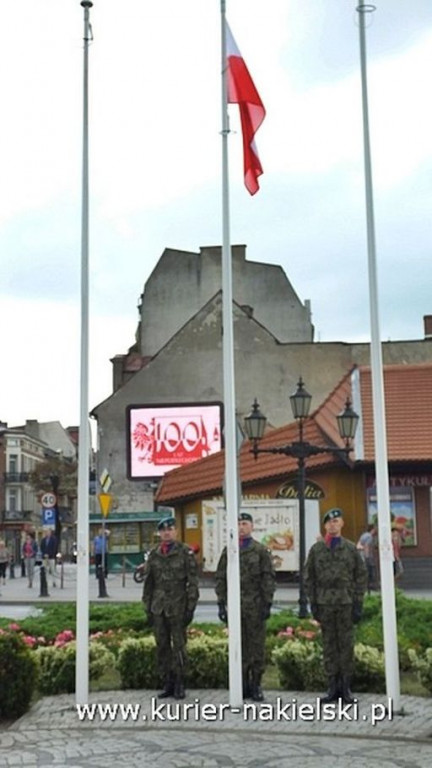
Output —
(257, 586)
(336, 580)
(170, 596)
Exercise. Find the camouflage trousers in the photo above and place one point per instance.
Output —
(170, 635)
(338, 639)
(253, 630)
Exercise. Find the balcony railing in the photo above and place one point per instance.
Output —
(17, 515)
(16, 477)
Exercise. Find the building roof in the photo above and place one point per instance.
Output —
(408, 404)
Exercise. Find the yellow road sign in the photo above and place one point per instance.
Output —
(105, 501)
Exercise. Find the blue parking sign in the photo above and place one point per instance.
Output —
(48, 516)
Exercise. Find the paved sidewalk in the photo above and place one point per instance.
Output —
(201, 731)
(122, 588)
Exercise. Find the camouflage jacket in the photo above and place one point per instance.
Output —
(257, 578)
(335, 576)
(171, 581)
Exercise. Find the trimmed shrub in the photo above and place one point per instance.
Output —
(369, 672)
(137, 663)
(423, 667)
(301, 668)
(300, 665)
(57, 666)
(18, 676)
(207, 663)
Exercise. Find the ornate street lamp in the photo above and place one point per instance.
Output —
(301, 450)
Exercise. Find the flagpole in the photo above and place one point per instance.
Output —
(231, 484)
(82, 598)
(381, 465)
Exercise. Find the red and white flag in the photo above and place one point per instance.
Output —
(241, 90)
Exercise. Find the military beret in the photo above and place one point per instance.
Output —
(245, 516)
(166, 522)
(332, 514)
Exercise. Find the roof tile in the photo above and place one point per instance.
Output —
(408, 402)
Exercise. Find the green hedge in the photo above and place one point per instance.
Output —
(18, 676)
(56, 617)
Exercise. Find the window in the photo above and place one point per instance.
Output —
(12, 506)
(13, 463)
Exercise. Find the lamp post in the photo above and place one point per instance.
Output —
(301, 450)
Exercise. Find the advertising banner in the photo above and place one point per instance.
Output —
(163, 437)
(276, 525)
(402, 512)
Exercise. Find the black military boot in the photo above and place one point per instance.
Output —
(333, 690)
(168, 688)
(179, 689)
(256, 690)
(247, 683)
(347, 695)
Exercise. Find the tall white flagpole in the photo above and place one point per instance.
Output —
(381, 466)
(82, 598)
(231, 484)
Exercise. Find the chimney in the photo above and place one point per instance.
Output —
(427, 321)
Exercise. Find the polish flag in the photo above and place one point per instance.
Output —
(241, 90)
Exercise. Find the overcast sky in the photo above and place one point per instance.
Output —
(155, 170)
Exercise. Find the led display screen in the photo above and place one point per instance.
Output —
(161, 437)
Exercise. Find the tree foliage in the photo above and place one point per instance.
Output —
(57, 474)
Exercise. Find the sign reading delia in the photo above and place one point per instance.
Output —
(161, 437)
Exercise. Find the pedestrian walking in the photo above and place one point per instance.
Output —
(335, 579)
(4, 561)
(257, 586)
(100, 551)
(366, 545)
(170, 596)
(29, 553)
(49, 546)
(397, 541)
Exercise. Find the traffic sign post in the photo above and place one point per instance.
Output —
(48, 517)
(105, 502)
(48, 499)
(105, 481)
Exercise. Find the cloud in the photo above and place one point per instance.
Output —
(155, 170)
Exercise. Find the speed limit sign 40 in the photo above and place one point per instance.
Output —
(48, 499)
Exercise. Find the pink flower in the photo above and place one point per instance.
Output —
(288, 632)
(64, 637)
(29, 640)
(14, 627)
